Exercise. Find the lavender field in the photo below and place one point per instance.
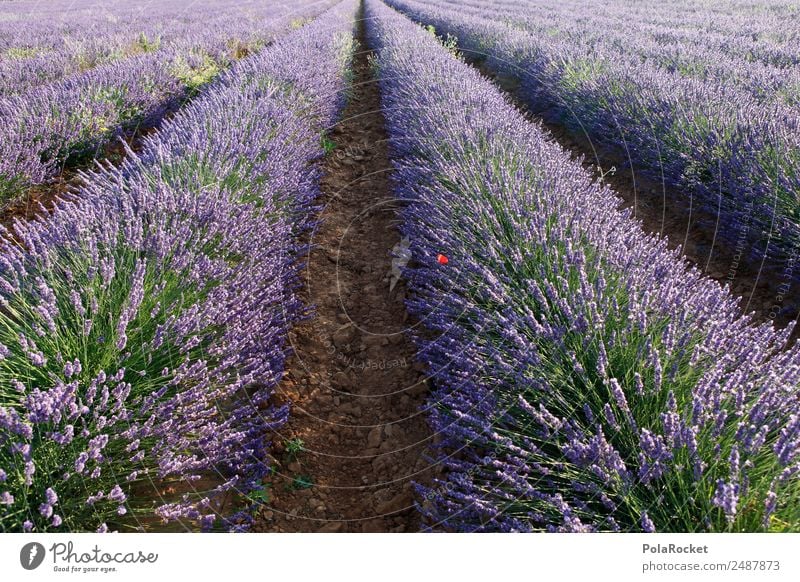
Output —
(399, 265)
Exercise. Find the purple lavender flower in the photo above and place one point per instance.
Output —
(30, 469)
(726, 497)
(116, 494)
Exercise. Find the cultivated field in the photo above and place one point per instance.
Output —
(399, 265)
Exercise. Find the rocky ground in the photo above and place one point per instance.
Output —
(357, 415)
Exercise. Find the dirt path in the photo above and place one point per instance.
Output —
(763, 290)
(357, 395)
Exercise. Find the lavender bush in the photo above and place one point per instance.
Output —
(587, 378)
(142, 327)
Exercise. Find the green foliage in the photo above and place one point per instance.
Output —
(449, 42)
(100, 113)
(147, 45)
(294, 447)
(374, 64)
(194, 77)
(86, 61)
(675, 502)
(241, 48)
(11, 187)
(299, 22)
(691, 69)
(327, 144)
(260, 496)
(302, 482)
(94, 339)
(782, 164)
(346, 47)
(578, 73)
(197, 171)
(22, 52)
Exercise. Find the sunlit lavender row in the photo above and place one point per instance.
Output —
(147, 69)
(587, 378)
(718, 122)
(42, 42)
(742, 43)
(143, 327)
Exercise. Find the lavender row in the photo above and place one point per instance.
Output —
(41, 43)
(750, 45)
(735, 157)
(46, 127)
(143, 327)
(586, 377)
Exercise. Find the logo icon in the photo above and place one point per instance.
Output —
(31, 555)
(401, 254)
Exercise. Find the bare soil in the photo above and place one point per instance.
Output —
(357, 394)
(763, 289)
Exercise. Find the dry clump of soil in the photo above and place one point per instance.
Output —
(357, 394)
(764, 290)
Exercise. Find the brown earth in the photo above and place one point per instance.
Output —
(357, 394)
(763, 290)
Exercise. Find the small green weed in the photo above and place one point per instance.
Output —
(301, 482)
(260, 495)
(294, 447)
(449, 42)
(328, 145)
